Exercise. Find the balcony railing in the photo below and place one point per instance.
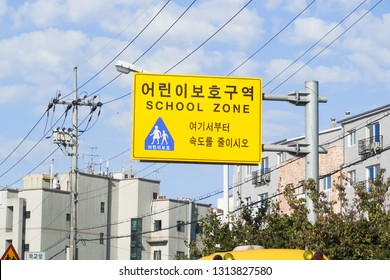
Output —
(261, 177)
(370, 146)
(364, 185)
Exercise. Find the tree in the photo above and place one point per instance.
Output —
(355, 230)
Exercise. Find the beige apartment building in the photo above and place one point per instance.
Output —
(117, 219)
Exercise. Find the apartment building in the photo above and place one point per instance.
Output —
(357, 149)
(366, 147)
(116, 218)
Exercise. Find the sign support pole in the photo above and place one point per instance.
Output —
(311, 137)
(310, 99)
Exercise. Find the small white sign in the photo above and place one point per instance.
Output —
(35, 256)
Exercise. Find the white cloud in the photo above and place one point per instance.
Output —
(344, 6)
(40, 13)
(3, 7)
(273, 114)
(288, 5)
(121, 121)
(40, 56)
(12, 94)
(310, 30)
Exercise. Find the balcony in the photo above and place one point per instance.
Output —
(365, 185)
(371, 146)
(261, 177)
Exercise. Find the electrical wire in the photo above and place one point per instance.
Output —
(24, 139)
(147, 50)
(271, 39)
(326, 47)
(166, 31)
(116, 99)
(39, 141)
(10, 185)
(121, 32)
(128, 45)
(355, 128)
(315, 44)
(209, 38)
(377, 3)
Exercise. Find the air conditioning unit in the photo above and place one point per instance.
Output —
(266, 178)
(375, 147)
(161, 197)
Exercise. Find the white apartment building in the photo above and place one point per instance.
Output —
(366, 147)
(357, 149)
(116, 218)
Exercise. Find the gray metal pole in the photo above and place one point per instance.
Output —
(73, 191)
(311, 135)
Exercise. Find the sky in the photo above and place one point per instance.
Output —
(342, 44)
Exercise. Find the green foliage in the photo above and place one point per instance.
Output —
(343, 230)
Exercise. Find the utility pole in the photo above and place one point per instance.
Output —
(68, 138)
(73, 184)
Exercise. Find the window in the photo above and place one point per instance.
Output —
(135, 252)
(374, 132)
(372, 173)
(352, 177)
(101, 238)
(248, 201)
(155, 195)
(180, 226)
(157, 255)
(264, 164)
(157, 225)
(282, 157)
(26, 247)
(248, 170)
(263, 199)
(27, 215)
(352, 138)
(326, 183)
(136, 224)
(198, 229)
(136, 239)
(9, 218)
(102, 207)
(180, 254)
(67, 217)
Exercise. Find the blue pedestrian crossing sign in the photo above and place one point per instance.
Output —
(159, 138)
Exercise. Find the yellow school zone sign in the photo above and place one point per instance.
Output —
(199, 119)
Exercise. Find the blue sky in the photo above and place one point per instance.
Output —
(340, 43)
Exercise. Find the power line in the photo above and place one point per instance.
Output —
(271, 39)
(28, 134)
(128, 45)
(147, 50)
(34, 167)
(39, 141)
(208, 39)
(122, 31)
(355, 128)
(315, 44)
(166, 31)
(326, 47)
